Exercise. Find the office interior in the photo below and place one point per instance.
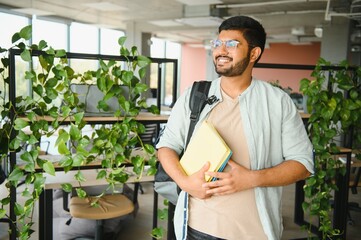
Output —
(299, 33)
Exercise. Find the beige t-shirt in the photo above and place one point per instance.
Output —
(232, 216)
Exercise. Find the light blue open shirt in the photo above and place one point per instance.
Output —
(275, 133)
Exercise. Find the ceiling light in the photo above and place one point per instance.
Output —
(201, 21)
(166, 23)
(298, 31)
(105, 6)
(200, 2)
(318, 32)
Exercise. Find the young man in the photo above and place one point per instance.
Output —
(261, 125)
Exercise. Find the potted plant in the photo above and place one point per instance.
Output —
(334, 102)
(41, 114)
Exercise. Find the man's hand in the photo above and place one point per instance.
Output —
(240, 178)
(193, 183)
(237, 179)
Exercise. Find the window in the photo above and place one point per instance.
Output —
(17, 23)
(84, 39)
(109, 41)
(54, 33)
(164, 49)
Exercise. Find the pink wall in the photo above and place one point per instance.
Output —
(193, 64)
(286, 53)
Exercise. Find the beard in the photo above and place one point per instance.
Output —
(236, 70)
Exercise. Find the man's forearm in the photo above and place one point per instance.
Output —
(283, 174)
(170, 163)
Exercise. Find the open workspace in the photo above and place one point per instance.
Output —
(88, 87)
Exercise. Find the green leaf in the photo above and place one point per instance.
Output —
(51, 83)
(62, 138)
(78, 160)
(25, 32)
(26, 156)
(101, 174)
(140, 88)
(103, 66)
(25, 55)
(81, 193)
(39, 183)
(80, 177)
(142, 72)
(16, 174)
(2, 213)
(18, 209)
(304, 83)
(60, 53)
(78, 117)
(49, 168)
(42, 44)
(75, 132)
(121, 40)
(67, 187)
(62, 148)
(51, 93)
(66, 161)
(20, 124)
(124, 51)
(143, 61)
(149, 148)
(16, 37)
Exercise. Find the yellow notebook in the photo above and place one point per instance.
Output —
(205, 145)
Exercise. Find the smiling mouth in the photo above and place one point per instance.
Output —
(222, 60)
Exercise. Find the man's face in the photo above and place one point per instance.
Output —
(231, 60)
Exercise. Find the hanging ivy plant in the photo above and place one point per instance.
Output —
(334, 101)
(39, 115)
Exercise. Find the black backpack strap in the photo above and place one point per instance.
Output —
(197, 101)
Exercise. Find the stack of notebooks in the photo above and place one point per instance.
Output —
(206, 145)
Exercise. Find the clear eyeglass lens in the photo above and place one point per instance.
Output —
(230, 44)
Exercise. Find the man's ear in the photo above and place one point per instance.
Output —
(255, 53)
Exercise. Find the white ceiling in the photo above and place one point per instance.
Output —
(196, 21)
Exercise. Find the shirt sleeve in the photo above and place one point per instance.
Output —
(174, 134)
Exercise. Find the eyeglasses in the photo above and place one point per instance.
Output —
(230, 44)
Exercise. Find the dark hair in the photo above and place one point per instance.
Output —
(251, 29)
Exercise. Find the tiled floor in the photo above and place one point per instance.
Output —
(140, 227)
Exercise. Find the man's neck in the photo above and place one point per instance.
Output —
(235, 86)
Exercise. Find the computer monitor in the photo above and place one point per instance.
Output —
(90, 95)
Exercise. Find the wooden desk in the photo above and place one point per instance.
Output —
(54, 182)
(45, 210)
(144, 117)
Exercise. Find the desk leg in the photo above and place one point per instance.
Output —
(12, 213)
(341, 200)
(299, 215)
(46, 215)
(155, 210)
(170, 226)
(299, 199)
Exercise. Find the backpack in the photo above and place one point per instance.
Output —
(163, 184)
